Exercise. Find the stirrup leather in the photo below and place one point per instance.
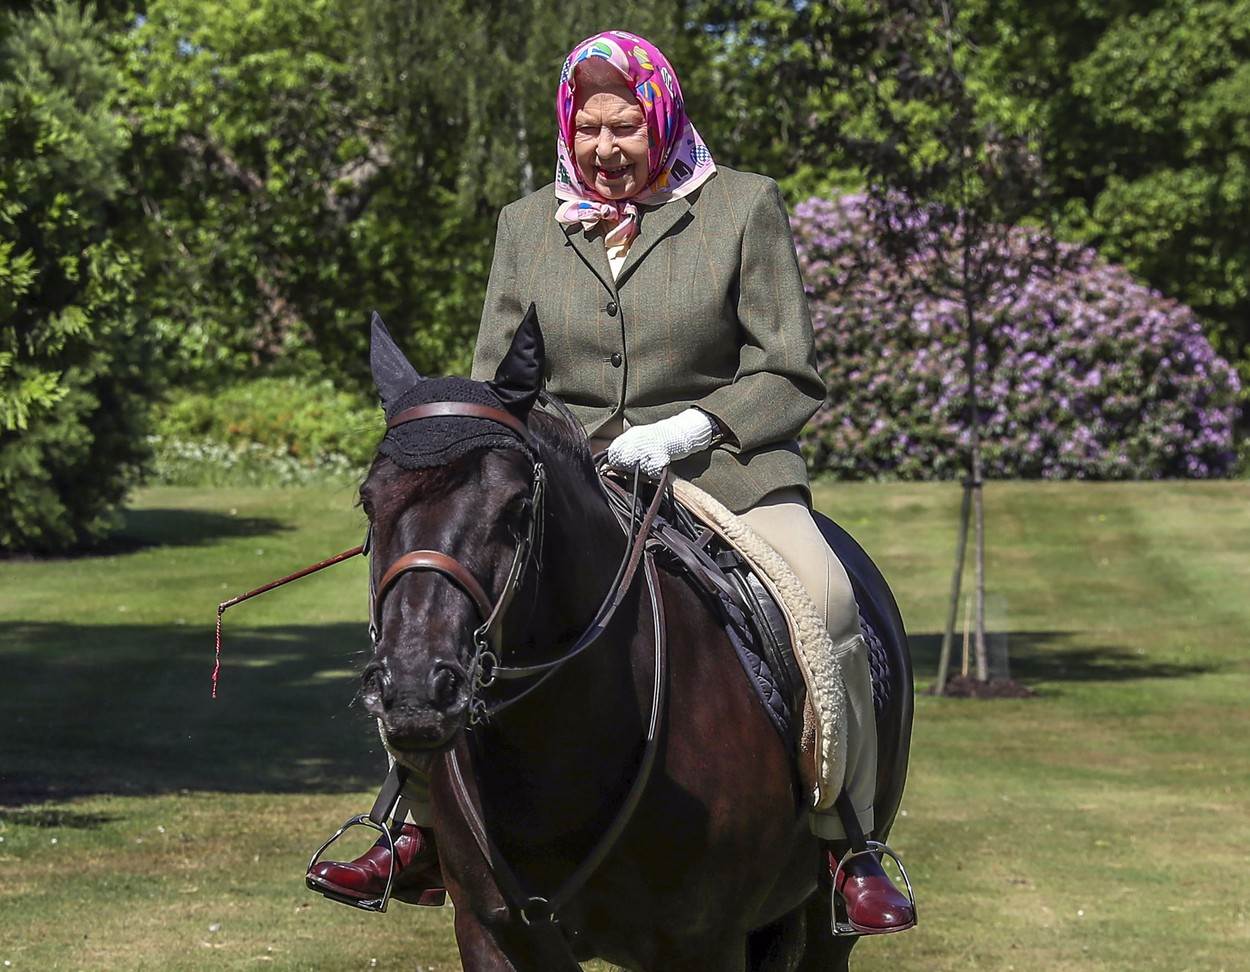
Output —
(841, 925)
(387, 816)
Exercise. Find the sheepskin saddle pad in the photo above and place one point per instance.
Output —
(820, 733)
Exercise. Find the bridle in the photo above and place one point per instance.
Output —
(484, 666)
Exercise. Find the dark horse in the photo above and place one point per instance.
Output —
(716, 869)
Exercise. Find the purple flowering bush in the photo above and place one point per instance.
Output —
(1086, 373)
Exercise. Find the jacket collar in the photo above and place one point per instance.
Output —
(592, 252)
(656, 223)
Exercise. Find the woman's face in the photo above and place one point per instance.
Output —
(610, 140)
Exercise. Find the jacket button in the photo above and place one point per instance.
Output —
(616, 359)
(611, 308)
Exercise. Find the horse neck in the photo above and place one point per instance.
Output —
(582, 548)
(572, 735)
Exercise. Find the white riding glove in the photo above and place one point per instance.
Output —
(654, 446)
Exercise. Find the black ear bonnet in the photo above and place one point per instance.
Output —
(437, 441)
(427, 442)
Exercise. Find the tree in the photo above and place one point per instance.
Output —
(256, 157)
(950, 169)
(74, 361)
(1144, 110)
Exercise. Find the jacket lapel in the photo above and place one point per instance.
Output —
(656, 223)
(592, 253)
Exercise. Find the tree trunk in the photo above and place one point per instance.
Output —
(952, 613)
(978, 497)
(983, 657)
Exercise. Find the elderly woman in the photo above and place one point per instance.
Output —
(677, 332)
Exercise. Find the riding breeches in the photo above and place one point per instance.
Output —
(784, 521)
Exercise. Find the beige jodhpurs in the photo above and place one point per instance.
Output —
(783, 520)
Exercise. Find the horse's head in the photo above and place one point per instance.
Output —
(459, 486)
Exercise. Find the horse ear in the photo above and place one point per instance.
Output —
(520, 374)
(393, 374)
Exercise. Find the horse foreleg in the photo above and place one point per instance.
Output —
(507, 948)
(727, 954)
(824, 951)
(479, 952)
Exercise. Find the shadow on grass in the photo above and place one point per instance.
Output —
(1041, 656)
(103, 709)
(125, 709)
(143, 529)
(187, 528)
(55, 818)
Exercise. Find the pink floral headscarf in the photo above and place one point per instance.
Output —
(678, 161)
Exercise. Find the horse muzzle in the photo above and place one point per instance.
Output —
(420, 710)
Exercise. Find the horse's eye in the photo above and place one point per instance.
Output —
(518, 508)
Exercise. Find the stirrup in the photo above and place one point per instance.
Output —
(389, 804)
(841, 924)
(365, 904)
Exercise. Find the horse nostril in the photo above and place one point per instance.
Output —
(377, 689)
(445, 682)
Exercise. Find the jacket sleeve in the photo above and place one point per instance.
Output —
(502, 311)
(776, 388)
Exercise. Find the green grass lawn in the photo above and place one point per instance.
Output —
(1104, 824)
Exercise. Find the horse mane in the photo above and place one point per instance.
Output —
(560, 432)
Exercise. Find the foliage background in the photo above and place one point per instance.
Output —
(75, 360)
(195, 193)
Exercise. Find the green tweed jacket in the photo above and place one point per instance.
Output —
(708, 310)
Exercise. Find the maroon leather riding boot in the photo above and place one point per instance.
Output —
(418, 879)
(874, 906)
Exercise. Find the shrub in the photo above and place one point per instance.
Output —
(269, 431)
(207, 462)
(1083, 374)
(75, 365)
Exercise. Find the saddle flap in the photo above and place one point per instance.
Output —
(753, 619)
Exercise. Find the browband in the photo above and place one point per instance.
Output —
(464, 410)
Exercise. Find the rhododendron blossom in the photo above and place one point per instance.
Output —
(1085, 373)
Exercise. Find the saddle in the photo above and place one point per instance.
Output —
(754, 621)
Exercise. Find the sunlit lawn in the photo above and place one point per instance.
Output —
(1104, 824)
